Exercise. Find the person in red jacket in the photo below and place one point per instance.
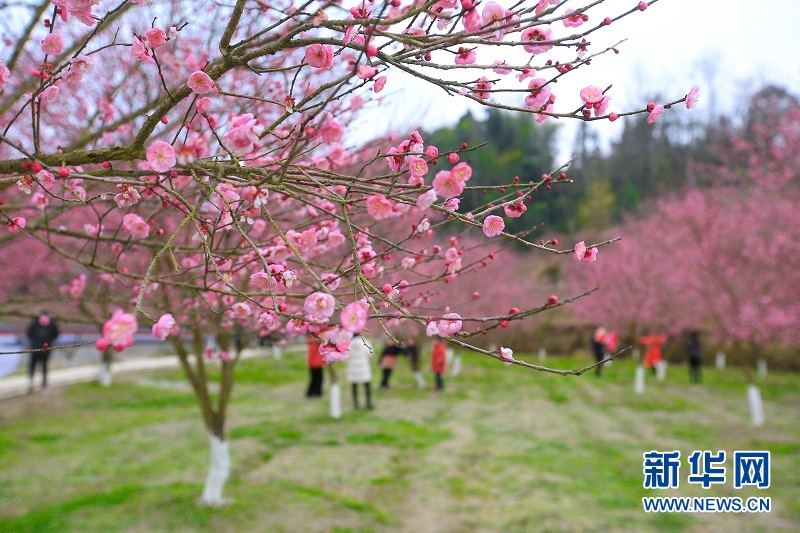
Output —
(438, 362)
(652, 356)
(315, 364)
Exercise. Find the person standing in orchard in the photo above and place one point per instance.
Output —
(42, 332)
(315, 366)
(358, 370)
(438, 363)
(652, 354)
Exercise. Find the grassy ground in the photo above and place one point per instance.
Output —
(503, 449)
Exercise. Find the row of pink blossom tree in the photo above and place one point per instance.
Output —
(717, 259)
(190, 164)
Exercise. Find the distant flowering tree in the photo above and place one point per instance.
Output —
(198, 159)
(717, 259)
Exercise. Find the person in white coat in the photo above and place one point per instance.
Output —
(358, 369)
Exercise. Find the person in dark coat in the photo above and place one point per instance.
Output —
(695, 349)
(412, 353)
(599, 348)
(388, 362)
(42, 332)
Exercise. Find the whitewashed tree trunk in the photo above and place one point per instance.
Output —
(336, 401)
(720, 361)
(635, 354)
(106, 377)
(276, 352)
(639, 381)
(661, 370)
(542, 354)
(756, 405)
(456, 365)
(219, 470)
(762, 368)
(420, 380)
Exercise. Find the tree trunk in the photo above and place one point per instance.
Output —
(106, 376)
(335, 395)
(639, 384)
(218, 472)
(756, 405)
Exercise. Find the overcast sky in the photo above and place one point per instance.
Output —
(727, 47)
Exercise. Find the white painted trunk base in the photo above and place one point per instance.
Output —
(639, 382)
(106, 377)
(635, 354)
(456, 365)
(336, 401)
(661, 370)
(218, 472)
(762, 368)
(420, 380)
(276, 352)
(542, 354)
(720, 361)
(756, 405)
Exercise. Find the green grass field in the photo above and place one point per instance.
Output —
(503, 449)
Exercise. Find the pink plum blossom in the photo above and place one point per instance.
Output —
(320, 305)
(354, 317)
(260, 279)
(515, 209)
(447, 185)
(136, 226)
(417, 166)
(161, 156)
(426, 199)
(493, 226)
(165, 326)
(537, 35)
(655, 113)
(53, 44)
(379, 207)
(319, 56)
(482, 88)
(80, 9)
(128, 196)
(449, 324)
(17, 224)
(507, 355)
(380, 83)
(243, 132)
(200, 82)
(156, 37)
(465, 56)
(591, 94)
(692, 97)
(585, 254)
(139, 51)
(79, 67)
(46, 179)
(573, 20)
(500, 68)
(5, 74)
(118, 331)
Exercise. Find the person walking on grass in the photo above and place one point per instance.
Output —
(42, 332)
(599, 348)
(315, 364)
(695, 349)
(438, 363)
(388, 362)
(358, 370)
